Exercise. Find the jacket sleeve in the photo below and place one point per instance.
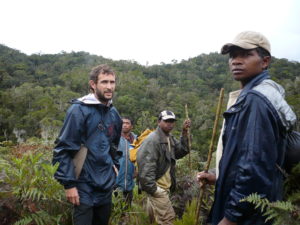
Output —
(181, 147)
(67, 145)
(258, 133)
(147, 157)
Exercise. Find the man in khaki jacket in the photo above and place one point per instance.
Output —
(156, 161)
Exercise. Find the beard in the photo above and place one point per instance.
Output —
(101, 97)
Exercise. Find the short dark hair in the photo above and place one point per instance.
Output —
(262, 52)
(100, 69)
(127, 118)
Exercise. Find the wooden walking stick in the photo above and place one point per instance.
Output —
(189, 137)
(211, 147)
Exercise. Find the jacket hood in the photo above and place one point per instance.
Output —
(275, 94)
(91, 99)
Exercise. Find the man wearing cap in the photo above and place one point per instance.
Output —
(156, 161)
(254, 135)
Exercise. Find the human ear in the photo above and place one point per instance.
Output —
(92, 84)
(266, 62)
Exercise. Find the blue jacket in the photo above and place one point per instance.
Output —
(88, 122)
(254, 141)
(125, 177)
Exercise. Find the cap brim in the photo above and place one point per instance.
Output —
(168, 118)
(227, 47)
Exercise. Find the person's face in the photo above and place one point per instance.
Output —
(246, 64)
(105, 87)
(166, 125)
(127, 126)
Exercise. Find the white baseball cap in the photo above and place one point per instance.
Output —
(167, 115)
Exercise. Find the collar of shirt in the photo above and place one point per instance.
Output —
(129, 138)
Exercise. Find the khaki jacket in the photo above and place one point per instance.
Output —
(154, 159)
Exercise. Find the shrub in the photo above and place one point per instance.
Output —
(37, 197)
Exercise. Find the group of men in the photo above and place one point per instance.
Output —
(252, 149)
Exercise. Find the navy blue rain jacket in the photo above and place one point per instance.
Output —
(254, 141)
(125, 179)
(97, 126)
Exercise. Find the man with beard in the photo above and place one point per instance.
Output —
(93, 122)
(156, 159)
(254, 136)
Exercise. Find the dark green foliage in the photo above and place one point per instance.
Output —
(133, 215)
(187, 189)
(35, 92)
(36, 89)
(186, 194)
(189, 217)
(28, 186)
(119, 209)
(292, 186)
(282, 212)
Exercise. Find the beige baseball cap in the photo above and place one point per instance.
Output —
(248, 40)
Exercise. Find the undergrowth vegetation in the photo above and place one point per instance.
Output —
(29, 195)
(31, 190)
(282, 212)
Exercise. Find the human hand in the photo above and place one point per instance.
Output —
(72, 195)
(225, 221)
(186, 125)
(159, 192)
(209, 178)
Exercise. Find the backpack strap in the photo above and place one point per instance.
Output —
(79, 159)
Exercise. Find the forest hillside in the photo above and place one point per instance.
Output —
(35, 91)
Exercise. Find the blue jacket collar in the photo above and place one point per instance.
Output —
(254, 82)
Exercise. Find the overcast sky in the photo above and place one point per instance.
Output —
(147, 31)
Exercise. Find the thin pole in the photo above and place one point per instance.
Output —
(189, 137)
(209, 156)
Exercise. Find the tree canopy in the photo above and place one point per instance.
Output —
(36, 91)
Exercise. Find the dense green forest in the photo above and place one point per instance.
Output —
(36, 90)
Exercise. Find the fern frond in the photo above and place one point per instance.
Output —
(279, 211)
(24, 221)
(285, 206)
(31, 181)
